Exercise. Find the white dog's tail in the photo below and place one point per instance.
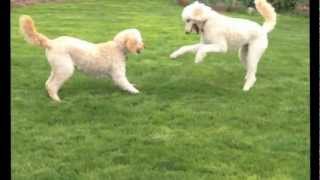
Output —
(30, 32)
(268, 12)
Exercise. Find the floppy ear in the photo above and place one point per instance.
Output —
(131, 44)
(199, 14)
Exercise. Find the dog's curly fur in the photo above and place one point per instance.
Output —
(219, 33)
(65, 53)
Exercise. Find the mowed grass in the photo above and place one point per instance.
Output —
(190, 121)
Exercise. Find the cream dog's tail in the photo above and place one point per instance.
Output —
(30, 32)
(268, 12)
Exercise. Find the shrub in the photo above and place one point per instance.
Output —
(284, 4)
(280, 5)
(183, 2)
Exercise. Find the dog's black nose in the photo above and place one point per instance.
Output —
(138, 51)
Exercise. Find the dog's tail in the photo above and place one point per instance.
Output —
(30, 33)
(268, 12)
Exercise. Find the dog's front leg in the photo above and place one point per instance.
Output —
(121, 80)
(185, 49)
(203, 50)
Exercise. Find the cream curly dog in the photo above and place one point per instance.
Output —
(65, 53)
(219, 33)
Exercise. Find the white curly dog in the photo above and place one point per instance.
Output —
(103, 59)
(219, 33)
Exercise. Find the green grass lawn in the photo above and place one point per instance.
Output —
(190, 121)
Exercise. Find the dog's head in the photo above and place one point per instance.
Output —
(194, 16)
(131, 40)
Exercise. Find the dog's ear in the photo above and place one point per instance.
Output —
(131, 44)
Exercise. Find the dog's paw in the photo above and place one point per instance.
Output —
(54, 97)
(174, 55)
(199, 58)
(198, 61)
(134, 91)
(249, 83)
(246, 88)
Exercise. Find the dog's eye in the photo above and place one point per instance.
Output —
(188, 20)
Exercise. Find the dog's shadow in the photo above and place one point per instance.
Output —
(207, 84)
(81, 84)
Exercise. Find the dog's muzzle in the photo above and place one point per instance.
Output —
(140, 48)
(196, 28)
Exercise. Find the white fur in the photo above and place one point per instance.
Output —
(221, 33)
(104, 59)
(65, 53)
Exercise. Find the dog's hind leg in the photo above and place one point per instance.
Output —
(243, 55)
(185, 49)
(256, 50)
(60, 73)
